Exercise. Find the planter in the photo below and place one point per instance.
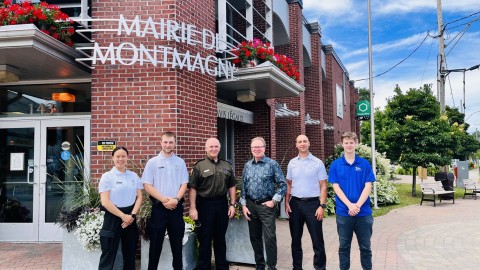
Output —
(189, 254)
(75, 257)
(239, 248)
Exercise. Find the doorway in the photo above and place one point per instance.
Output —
(38, 157)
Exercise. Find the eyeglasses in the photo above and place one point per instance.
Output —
(257, 147)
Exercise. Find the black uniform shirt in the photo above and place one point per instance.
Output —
(212, 179)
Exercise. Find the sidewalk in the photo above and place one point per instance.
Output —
(414, 237)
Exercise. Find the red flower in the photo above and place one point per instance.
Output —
(43, 15)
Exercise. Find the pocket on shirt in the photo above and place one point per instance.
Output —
(207, 174)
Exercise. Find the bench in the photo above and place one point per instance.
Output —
(434, 189)
(471, 188)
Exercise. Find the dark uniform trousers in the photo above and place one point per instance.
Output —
(110, 236)
(171, 221)
(303, 211)
(213, 222)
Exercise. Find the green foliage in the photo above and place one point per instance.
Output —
(386, 192)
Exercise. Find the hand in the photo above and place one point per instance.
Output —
(231, 211)
(353, 209)
(319, 214)
(171, 203)
(287, 209)
(127, 220)
(269, 204)
(193, 213)
(246, 212)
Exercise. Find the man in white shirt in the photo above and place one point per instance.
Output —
(305, 202)
(165, 179)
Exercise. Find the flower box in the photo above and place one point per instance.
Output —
(189, 253)
(75, 257)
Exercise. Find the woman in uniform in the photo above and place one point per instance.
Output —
(121, 197)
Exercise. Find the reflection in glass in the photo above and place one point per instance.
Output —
(64, 167)
(16, 195)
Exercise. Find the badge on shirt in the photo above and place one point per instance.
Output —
(207, 170)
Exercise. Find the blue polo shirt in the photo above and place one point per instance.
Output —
(351, 178)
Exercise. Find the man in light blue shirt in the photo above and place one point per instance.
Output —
(165, 179)
(305, 202)
(263, 186)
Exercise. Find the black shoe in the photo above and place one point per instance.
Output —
(259, 267)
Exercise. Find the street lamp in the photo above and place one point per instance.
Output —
(462, 70)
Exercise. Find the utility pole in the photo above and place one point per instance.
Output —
(372, 111)
(441, 59)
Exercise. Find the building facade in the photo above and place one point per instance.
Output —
(124, 95)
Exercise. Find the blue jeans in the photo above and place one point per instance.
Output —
(363, 228)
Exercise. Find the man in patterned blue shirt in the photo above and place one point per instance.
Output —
(263, 186)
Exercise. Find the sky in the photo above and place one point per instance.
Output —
(398, 29)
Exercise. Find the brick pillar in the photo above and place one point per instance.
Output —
(328, 106)
(313, 94)
(289, 128)
(135, 104)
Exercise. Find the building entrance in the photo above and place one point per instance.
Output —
(40, 157)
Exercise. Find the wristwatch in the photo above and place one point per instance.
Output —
(323, 205)
(233, 204)
(178, 199)
(134, 216)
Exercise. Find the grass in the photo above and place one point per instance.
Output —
(406, 199)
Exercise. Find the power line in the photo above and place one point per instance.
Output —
(468, 16)
(403, 60)
(426, 62)
(450, 83)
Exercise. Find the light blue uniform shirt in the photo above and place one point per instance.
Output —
(166, 174)
(305, 175)
(122, 186)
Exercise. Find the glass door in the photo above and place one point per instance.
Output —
(62, 163)
(40, 158)
(19, 159)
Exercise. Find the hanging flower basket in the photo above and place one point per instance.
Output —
(47, 18)
(255, 52)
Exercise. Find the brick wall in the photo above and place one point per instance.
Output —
(335, 76)
(314, 97)
(288, 128)
(328, 106)
(135, 104)
(263, 126)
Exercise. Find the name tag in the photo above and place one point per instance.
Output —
(207, 170)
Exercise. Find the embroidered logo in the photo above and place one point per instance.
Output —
(358, 169)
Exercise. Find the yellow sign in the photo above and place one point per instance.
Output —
(106, 145)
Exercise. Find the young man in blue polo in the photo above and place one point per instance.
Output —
(352, 177)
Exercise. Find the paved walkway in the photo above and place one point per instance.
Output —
(414, 237)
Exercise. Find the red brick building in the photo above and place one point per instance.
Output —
(131, 103)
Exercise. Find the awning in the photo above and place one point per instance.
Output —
(258, 83)
(27, 54)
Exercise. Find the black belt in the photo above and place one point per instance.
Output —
(259, 201)
(306, 199)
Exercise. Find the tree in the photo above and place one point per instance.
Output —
(465, 144)
(413, 131)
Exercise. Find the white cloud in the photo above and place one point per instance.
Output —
(409, 6)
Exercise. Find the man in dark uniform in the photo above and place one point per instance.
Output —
(210, 180)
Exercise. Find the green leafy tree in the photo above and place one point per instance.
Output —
(415, 132)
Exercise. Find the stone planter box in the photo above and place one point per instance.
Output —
(75, 257)
(189, 254)
(239, 248)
